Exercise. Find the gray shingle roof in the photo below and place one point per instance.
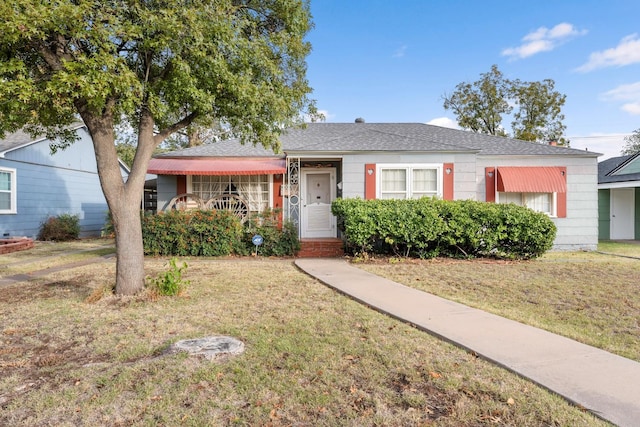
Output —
(15, 140)
(18, 139)
(606, 167)
(226, 148)
(349, 137)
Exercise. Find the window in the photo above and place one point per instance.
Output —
(540, 202)
(7, 191)
(409, 181)
(254, 189)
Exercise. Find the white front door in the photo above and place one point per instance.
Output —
(318, 191)
(622, 214)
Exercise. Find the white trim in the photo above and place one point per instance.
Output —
(331, 230)
(626, 184)
(409, 167)
(37, 140)
(13, 191)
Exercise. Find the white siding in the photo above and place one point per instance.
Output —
(579, 230)
(353, 170)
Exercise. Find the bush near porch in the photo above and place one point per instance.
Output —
(216, 233)
(429, 227)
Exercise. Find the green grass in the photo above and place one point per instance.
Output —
(49, 255)
(72, 355)
(589, 297)
(619, 248)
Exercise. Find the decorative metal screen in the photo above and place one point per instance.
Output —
(293, 189)
(254, 189)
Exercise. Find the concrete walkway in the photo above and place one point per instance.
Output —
(605, 384)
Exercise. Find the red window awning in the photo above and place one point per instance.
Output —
(217, 166)
(532, 179)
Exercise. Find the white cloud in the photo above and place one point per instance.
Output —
(399, 53)
(627, 52)
(325, 116)
(444, 122)
(632, 108)
(609, 145)
(543, 40)
(628, 94)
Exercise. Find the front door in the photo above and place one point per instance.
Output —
(622, 211)
(318, 191)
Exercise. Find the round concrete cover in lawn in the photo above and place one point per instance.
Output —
(210, 347)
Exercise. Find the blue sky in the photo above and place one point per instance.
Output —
(393, 60)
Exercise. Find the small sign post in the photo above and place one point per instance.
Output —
(257, 241)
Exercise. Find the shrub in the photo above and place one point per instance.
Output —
(429, 227)
(60, 228)
(279, 239)
(194, 233)
(170, 283)
(217, 233)
(108, 230)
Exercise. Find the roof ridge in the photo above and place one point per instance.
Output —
(620, 166)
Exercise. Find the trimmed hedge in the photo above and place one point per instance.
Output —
(193, 232)
(216, 233)
(427, 228)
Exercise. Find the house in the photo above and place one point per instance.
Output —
(36, 184)
(324, 161)
(619, 198)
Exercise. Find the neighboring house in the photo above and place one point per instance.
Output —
(619, 198)
(384, 160)
(36, 184)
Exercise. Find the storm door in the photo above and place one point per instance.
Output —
(318, 191)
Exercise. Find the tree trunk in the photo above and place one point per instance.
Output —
(129, 249)
(123, 198)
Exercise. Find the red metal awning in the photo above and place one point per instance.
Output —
(532, 179)
(217, 166)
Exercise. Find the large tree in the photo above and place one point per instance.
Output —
(479, 106)
(539, 114)
(536, 106)
(631, 143)
(160, 65)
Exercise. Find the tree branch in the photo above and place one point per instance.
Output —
(162, 135)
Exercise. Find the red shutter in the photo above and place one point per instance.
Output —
(278, 180)
(562, 197)
(447, 181)
(370, 181)
(490, 184)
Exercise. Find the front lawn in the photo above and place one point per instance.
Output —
(587, 296)
(72, 354)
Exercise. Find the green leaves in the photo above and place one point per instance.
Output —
(631, 143)
(480, 106)
(430, 227)
(194, 233)
(242, 63)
